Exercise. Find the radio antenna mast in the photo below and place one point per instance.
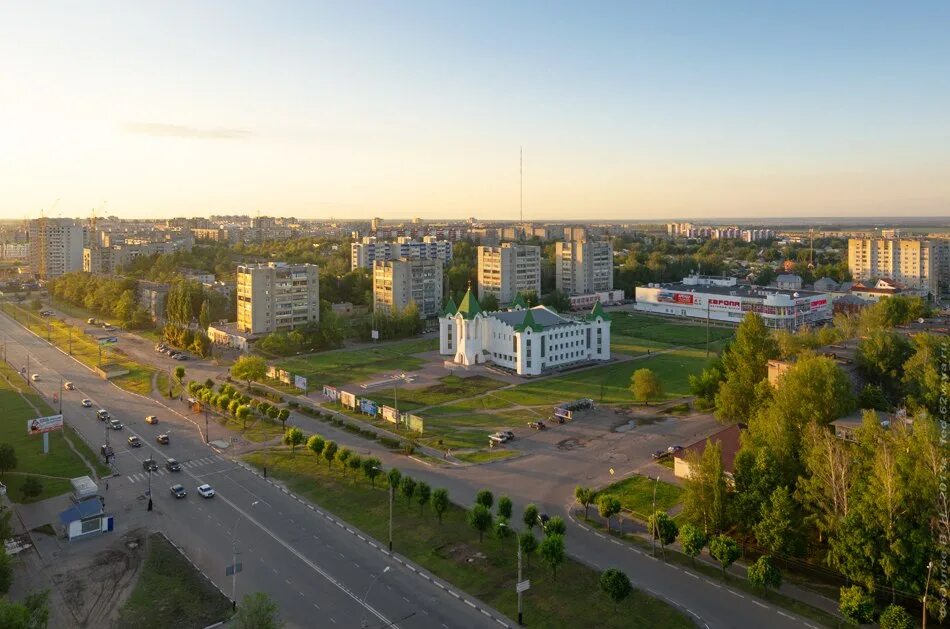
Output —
(521, 179)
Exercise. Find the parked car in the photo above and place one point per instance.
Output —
(660, 454)
(149, 465)
(674, 449)
(102, 414)
(501, 436)
(46, 313)
(537, 425)
(180, 357)
(115, 424)
(151, 419)
(69, 386)
(108, 339)
(35, 377)
(87, 403)
(162, 439)
(172, 465)
(178, 491)
(91, 321)
(107, 450)
(205, 491)
(135, 442)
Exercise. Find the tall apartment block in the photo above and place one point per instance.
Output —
(55, 247)
(398, 282)
(584, 266)
(911, 262)
(370, 249)
(277, 297)
(508, 270)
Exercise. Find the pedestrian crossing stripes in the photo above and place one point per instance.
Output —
(139, 477)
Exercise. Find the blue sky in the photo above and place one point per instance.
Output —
(624, 110)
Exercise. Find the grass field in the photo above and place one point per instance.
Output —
(649, 330)
(450, 388)
(343, 366)
(573, 599)
(161, 385)
(170, 592)
(485, 456)
(636, 495)
(54, 469)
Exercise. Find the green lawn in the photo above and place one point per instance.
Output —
(344, 366)
(170, 592)
(54, 469)
(636, 494)
(450, 388)
(485, 456)
(646, 328)
(573, 599)
(162, 383)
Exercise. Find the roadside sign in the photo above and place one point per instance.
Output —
(611, 471)
(375, 335)
(523, 586)
(233, 569)
(41, 425)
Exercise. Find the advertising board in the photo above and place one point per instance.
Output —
(369, 407)
(415, 423)
(390, 414)
(300, 382)
(347, 399)
(675, 298)
(44, 424)
(331, 392)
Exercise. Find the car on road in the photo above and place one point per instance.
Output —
(46, 313)
(178, 491)
(102, 414)
(108, 339)
(92, 321)
(674, 449)
(149, 465)
(35, 377)
(501, 436)
(109, 328)
(206, 491)
(135, 442)
(537, 425)
(180, 357)
(172, 465)
(660, 454)
(106, 450)
(162, 439)
(115, 424)
(86, 402)
(69, 386)
(151, 419)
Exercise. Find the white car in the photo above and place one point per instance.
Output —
(206, 491)
(35, 377)
(69, 386)
(87, 403)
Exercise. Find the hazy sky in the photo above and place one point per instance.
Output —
(394, 108)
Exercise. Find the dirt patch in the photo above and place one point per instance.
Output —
(93, 588)
(463, 554)
(572, 443)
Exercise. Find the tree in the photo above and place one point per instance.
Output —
(502, 528)
(881, 356)
(745, 364)
(704, 495)
(394, 476)
(243, 412)
(257, 611)
(293, 437)
(489, 302)
(204, 315)
(692, 539)
(825, 486)
(856, 605)
(528, 543)
(249, 368)
(8, 459)
(315, 444)
(663, 528)
(480, 519)
(355, 463)
(555, 526)
(608, 506)
(616, 585)
(778, 530)
(440, 502)
(584, 496)
(764, 575)
(283, 415)
(485, 497)
(179, 374)
(504, 507)
(724, 549)
(645, 386)
(423, 494)
(895, 617)
(756, 475)
(31, 488)
(530, 516)
(342, 455)
(6, 572)
(32, 613)
(551, 550)
(408, 488)
(329, 452)
(372, 468)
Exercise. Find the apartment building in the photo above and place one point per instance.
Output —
(508, 270)
(16, 250)
(55, 247)
(910, 262)
(364, 253)
(584, 266)
(398, 282)
(277, 296)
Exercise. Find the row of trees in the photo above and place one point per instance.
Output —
(229, 400)
(33, 611)
(311, 337)
(195, 341)
(109, 297)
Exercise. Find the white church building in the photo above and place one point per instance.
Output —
(528, 341)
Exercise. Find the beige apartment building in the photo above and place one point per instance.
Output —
(55, 247)
(584, 266)
(398, 282)
(508, 270)
(277, 296)
(910, 262)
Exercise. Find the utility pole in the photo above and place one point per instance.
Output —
(70, 340)
(391, 492)
(521, 184)
(520, 608)
(653, 516)
(60, 395)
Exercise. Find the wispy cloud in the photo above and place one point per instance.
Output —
(163, 130)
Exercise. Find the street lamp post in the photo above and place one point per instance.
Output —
(150, 487)
(923, 616)
(653, 515)
(363, 602)
(518, 544)
(380, 470)
(234, 569)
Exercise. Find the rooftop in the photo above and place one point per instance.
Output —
(729, 441)
(739, 290)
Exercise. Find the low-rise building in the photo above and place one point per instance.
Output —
(788, 281)
(729, 442)
(152, 296)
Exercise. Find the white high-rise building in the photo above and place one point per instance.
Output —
(910, 262)
(508, 270)
(396, 283)
(370, 249)
(55, 247)
(277, 296)
(584, 266)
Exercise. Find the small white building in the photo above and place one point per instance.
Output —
(528, 341)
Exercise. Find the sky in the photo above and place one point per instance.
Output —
(626, 110)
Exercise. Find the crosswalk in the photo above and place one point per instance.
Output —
(161, 471)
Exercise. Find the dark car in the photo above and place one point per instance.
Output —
(172, 465)
(162, 439)
(674, 449)
(149, 465)
(537, 425)
(106, 450)
(178, 491)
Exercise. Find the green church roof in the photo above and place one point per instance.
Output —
(528, 322)
(449, 309)
(518, 302)
(469, 306)
(598, 311)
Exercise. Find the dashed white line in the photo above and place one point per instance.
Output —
(484, 612)
(734, 593)
(760, 604)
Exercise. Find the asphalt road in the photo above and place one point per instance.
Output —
(320, 571)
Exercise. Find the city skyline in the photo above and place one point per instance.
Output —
(420, 110)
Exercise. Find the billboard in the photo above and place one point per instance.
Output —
(331, 392)
(44, 424)
(415, 423)
(719, 303)
(560, 411)
(390, 414)
(284, 376)
(272, 372)
(676, 298)
(369, 407)
(347, 399)
(817, 304)
(300, 382)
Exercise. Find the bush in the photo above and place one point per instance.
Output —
(389, 442)
(896, 617)
(856, 605)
